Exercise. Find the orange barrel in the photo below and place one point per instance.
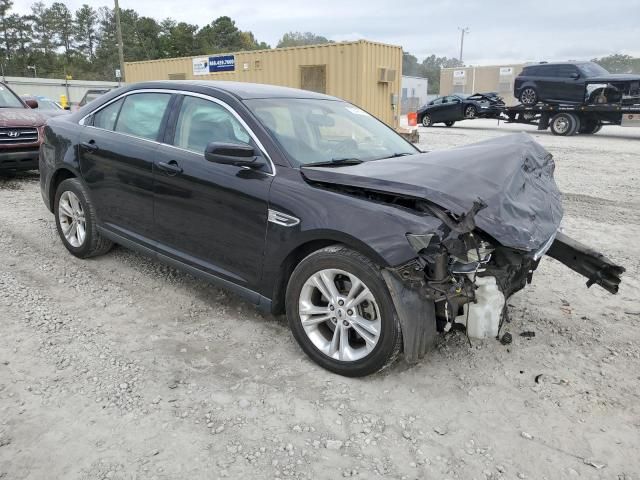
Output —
(412, 117)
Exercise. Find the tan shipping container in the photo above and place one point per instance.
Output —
(364, 73)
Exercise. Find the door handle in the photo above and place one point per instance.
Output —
(90, 145)
(171, 168)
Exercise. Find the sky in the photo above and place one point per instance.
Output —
(501, 31)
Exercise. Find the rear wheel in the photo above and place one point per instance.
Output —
(341, 313)
(590, 126)
(76, 220)
(564, 124)
(470, 111)
(528, 96)
(426, 120)
(449, 124)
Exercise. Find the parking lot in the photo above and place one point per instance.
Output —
(122, 368)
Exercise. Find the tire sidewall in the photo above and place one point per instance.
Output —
(390, 327)
(74, 185)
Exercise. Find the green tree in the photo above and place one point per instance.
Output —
(5, 8)
(43, 33)
(86, 31)
(222, 35)
(431, 66)
(619, 63)
(410, 64)
(296, 39)
(62, 26)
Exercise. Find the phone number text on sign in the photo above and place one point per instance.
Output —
(222, 63)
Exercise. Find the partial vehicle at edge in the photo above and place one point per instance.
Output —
(306, 205)
(450, 109)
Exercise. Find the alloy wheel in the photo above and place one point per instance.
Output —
(340, 315)
(561, 125)
(529, 96)
(72, 219)
(470, 112)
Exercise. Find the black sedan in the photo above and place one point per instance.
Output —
(305, 204)
(460, 106)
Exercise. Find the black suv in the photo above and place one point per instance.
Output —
(556, 82)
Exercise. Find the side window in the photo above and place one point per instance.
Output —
(438, 101)
(202, 121)
(106, 118)
(565, 71)
(141, 115)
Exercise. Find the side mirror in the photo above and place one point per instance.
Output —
(233, 154)
(575, 75)
(31, 102)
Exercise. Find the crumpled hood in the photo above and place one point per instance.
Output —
(512, 174)
(20, 117)
(615, 77)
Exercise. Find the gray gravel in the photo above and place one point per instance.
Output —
(121, 368)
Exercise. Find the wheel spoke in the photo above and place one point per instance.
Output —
(329, 282)
(313, 310)
(66, 227)
(365, 294)
(335, 340)
(317, 281)
(371, 342)
(81, 232)
(315, 320)
(73, 230)
(364, 324)
(344, 342)
(75, 204)
(356, 285)
(66, 209)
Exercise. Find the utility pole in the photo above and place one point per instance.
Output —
(119, 37)
(462, 33)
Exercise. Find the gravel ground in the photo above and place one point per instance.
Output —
(122, 368)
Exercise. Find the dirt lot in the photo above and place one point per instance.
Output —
(122, 368)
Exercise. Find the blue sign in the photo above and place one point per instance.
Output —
(222, 63)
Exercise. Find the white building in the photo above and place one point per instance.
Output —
(413, 93)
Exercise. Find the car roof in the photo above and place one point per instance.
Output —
(545, 64)
(241, 90)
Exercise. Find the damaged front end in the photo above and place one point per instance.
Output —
(500, 211)
(464, 279)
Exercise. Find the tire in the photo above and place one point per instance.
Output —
(426, 120)
(77, 206)
(449, 124)
(375, 313)
(470, 112)
(528, 96)
(564, 124)
(590, 126)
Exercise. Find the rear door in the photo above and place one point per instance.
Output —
(210, 216)
(454, 108)
(547, 82)
(118, 147)
(438, 110)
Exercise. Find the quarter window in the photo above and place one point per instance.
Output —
(106, 118)
(142, 114)
(201, 121)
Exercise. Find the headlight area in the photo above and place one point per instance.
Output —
(469, 279)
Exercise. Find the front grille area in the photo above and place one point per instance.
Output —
(18, 135)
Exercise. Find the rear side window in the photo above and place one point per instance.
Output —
(565, 71)
(106, 118)
(141, 114)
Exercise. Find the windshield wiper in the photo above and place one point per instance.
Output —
(334, 162)
(396, 155)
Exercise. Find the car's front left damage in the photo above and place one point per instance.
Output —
(499, 210)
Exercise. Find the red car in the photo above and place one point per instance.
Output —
(21, 129)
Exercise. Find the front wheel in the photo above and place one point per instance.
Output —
(341, 313)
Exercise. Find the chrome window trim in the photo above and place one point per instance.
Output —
(224, 105)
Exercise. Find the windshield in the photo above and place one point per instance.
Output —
(8, 99)
(313, 131)
(593, 69)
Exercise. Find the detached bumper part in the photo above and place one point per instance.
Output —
(593, 265)
(417, 315)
